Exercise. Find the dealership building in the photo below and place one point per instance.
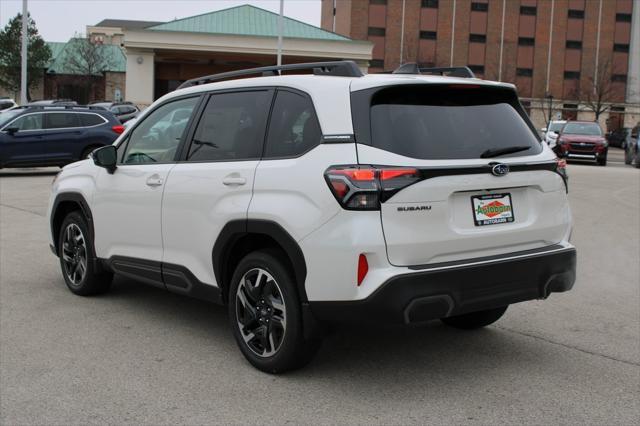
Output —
(162, 55)
(552, 50)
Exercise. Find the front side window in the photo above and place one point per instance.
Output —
(591, 129)
(28, 122)
(294, 128)
(231, 127)
(61, 120)
(156, 138)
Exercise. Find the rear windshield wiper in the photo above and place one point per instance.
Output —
(490, 153)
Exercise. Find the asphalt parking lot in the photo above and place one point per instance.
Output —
(138, 355)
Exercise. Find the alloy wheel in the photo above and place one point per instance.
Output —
(74, 254)
(261, 312)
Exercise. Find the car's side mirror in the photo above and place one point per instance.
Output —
(106, 157)
(12, 130)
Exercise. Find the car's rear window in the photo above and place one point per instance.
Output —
(591, 129)
(450, 122)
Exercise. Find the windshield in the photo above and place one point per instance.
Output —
(591, 129)
(555, 127)
(445, 122)
(6, 116)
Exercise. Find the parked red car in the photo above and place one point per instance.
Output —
(582, 140)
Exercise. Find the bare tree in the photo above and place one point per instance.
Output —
(598, 91)
(549, 109)
(88, 60)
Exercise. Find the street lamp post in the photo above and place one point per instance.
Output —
(549, 97)
(23, 62)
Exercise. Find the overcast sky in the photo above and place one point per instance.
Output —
(58, 20)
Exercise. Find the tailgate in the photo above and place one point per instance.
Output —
(435, 220)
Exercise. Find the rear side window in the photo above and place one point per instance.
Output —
(450, 122)
(90, 120)
(231, 127)
(294, 128)
(61, 120)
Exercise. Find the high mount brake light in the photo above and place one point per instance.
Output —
(365, 187)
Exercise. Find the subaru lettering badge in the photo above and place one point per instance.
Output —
(500, 169)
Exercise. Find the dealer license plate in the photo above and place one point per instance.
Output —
(492, 209)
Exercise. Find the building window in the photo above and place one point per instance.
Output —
(528, 10)
(383, 2)
(572, 75)
(478, 38)
(428, 35)
(373, 31)
(376, 63)
(573, 44)
(569, 112)
(621, 48)
(619, 78)
(577, 14)
(524, 72)
(526, 41)
(623, 17)
(479, 7)
(430, 3)
(477, 69)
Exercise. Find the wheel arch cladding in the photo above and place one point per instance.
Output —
(64, 204)
(240, 237)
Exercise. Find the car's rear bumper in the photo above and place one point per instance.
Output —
(452, 289)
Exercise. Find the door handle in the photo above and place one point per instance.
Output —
(233, 180)
(154, 180)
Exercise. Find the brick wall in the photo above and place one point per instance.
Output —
(524, 62)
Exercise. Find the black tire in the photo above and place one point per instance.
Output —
(602, 161)
(89, 150)
(475, 320)
(83, 280)
(288, 350)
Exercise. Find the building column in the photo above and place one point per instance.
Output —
(140, 77)
(633, 73)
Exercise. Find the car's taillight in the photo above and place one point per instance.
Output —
(365, 187)
(118, 129)
(561, 169)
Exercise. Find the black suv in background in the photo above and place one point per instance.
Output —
(124, 111)
(33, 136)
(618, 137)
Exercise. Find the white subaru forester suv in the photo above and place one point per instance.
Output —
(298, 200)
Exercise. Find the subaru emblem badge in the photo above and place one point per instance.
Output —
(500, 169)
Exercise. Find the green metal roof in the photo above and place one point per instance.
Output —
(60, 53)
(56, 47)
(246, 20)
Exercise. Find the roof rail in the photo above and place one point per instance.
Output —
(413, 68)
(334, 68)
